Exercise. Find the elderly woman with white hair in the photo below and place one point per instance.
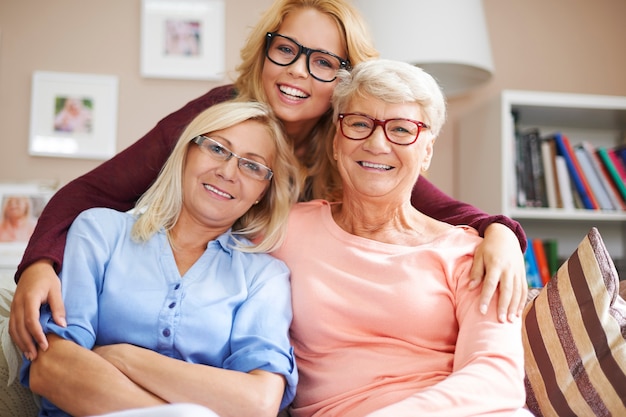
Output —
(385, 323)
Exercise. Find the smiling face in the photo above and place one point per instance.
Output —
(216, 193)
(16, 207)
(375, 167)
(298, 99)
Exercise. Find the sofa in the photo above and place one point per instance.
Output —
(574, 335)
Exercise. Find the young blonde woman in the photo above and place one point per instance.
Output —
(290, 61)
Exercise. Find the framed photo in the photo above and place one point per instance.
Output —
(182, 39)
(21, 206)
(73, 115)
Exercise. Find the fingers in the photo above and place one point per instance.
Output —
(476, 274)
(24, 326)
(492, 281)
(57, 308)
(38, 283)
(523, 295)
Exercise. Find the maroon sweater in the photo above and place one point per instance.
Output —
(120, 181)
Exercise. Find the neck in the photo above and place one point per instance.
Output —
(394, 223)
(189, 243)
(299, 134)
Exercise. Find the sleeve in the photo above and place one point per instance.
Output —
(260, 335)
(116, 183)
(82, 279)
(90, 240)
(434, 203)
(488, 369)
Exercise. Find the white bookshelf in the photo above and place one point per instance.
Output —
(487, 177)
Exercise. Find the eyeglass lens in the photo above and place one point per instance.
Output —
(284, 51)
(398, 131)
(219, 152)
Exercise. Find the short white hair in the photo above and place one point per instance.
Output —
(392, 82)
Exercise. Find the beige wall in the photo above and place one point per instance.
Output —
(552, 45)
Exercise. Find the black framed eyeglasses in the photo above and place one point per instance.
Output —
(219, 152)
(358, 126)
(284, 51)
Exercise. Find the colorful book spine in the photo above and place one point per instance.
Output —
(603, 175)
(595, 182)
(605, 157)
(551, 247)
(582, 186)
(619, 165)
(542, 261)
(532, 272)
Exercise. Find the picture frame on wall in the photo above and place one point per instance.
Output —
(21, 205)
(183, 40)
(73, 115)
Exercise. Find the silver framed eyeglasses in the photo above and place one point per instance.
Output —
(284, 51)
(358, 126)
(219, 152)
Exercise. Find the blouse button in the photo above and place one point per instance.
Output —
(177, 286)
(172, 305)
(166, 332)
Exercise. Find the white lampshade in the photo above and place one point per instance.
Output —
(447, 38)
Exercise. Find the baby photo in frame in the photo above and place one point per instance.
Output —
(73, 115)
(183, 40)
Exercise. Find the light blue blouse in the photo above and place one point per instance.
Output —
(230, 310)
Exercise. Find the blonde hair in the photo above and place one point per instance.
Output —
(354, 34)
(265, 222)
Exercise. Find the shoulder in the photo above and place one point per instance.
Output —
(102, 219)
(252, 262)
(216, 95)
(309, 209)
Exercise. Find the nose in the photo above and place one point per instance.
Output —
(229, 168)
(377, 142)
(299, 69)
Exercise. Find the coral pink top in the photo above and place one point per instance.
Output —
(380, 325)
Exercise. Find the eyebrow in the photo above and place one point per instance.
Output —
(229, 144)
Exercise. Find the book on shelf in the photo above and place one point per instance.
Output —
(551, 247)
(542, 260)
(553, 191)
(604, 176)
(620, 150)
(565, 184)
(596, 183)
(606, 159)
(583, 189)
(617, 162)
(530, 169)
(532, 271)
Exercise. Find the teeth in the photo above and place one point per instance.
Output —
(216, 191)
(375, 166)
(292, 92)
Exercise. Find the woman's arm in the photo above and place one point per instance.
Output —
(498, 261)
(117, 184)
(81, 382)
(227, 392)
(488, 369)
(431, 201)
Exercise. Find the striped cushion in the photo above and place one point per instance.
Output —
(574, 338)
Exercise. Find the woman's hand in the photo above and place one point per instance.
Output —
(498, 260)
(38, 284)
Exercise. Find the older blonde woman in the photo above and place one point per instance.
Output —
(175, 304)
(385, 321)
